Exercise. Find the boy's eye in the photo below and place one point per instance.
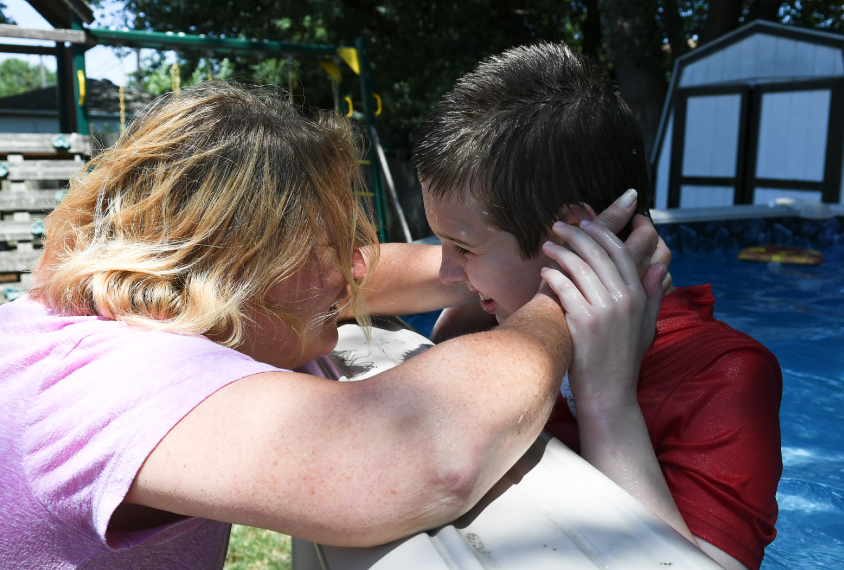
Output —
(460, 250)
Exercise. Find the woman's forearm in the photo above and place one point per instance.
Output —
(407, 281)
(501, 395)
(364, 463)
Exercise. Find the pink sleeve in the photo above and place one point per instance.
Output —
(97, 416)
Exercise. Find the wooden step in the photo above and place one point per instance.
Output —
(18, 261)
(29, 200)
(11, 290)
(27, 143)
(44, 169)
(20, 231)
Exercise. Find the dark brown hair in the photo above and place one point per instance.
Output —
(530, 132)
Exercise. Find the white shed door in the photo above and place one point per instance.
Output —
(793, 133)
(751, 144)
(712, 133)
(707, 144)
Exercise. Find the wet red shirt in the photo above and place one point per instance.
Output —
(710, 397)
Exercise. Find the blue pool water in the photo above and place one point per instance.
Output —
(798, 313)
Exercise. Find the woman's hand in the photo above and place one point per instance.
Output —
(611, 314)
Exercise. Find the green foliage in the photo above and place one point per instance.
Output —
(4, 19)
(819, 14)
(156, 79)
(17, 76)
(157, 74)
(420, 47)
(257, 549)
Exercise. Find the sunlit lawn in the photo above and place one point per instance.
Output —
(257, 549)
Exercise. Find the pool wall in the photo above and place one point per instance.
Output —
(729, 235)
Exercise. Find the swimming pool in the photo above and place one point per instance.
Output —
(798, 313)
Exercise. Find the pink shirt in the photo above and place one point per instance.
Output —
(83, 402)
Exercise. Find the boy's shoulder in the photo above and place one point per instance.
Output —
(686, 320)
(691, 344)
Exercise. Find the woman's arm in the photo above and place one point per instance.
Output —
(406, 281)
(457, 321)
(364, 463)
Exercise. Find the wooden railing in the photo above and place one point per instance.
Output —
(33, 178)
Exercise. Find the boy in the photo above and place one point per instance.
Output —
(539, 134)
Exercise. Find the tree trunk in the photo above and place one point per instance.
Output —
(723, 17)
(634, 47)
(674, 27)
(764, 10)
(592, 37)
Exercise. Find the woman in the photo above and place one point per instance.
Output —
(146, 377)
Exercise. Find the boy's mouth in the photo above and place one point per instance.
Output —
(488, 304)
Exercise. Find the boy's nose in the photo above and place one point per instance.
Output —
(451, 271)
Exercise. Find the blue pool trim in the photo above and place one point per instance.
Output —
(729, 235)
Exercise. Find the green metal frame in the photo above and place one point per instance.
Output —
(82, 124)
(202, 43)
(369, 119)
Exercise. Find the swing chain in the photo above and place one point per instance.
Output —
(122, 109)
(175, 79)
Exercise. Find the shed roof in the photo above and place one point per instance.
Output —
(103, 97)
(758, 52)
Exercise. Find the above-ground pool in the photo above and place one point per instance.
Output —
(798, 313)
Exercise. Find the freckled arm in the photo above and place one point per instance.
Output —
(406, 281)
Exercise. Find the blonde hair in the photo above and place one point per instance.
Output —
(211, 197)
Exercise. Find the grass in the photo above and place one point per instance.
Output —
(257, 549)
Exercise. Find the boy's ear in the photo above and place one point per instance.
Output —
(574, 214)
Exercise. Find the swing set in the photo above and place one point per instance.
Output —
(71, 79)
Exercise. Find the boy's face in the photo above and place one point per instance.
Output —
(486, 259)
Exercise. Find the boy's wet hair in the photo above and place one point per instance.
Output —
(530, 132)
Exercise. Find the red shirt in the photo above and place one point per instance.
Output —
(710, 397)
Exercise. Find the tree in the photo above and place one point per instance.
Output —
(17, 76)
(4, 19)
(419, 48)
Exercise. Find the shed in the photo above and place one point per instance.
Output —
(751, 117)
(38, 111)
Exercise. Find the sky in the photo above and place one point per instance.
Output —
(101, 62)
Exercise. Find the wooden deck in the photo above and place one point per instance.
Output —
(34, 174)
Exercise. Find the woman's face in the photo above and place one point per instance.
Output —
(314, 295)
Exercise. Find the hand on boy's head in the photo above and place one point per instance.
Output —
(611, 311)
(661, 254)
(617, 215)
(645, 245)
